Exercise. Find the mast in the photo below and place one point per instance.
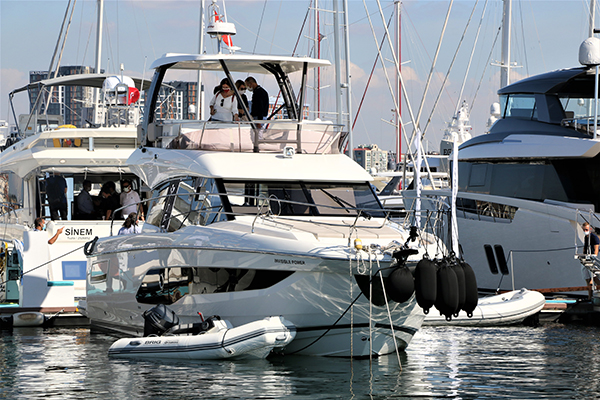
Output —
(200, 89)
(316, 76)
(398, 86)
(338, 69)
(98, 57)
(505, 61)
(348, 85)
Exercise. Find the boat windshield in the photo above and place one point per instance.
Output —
(519, 106)
(303, 198)
(188, 201)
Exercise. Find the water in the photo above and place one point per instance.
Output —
(551, 362)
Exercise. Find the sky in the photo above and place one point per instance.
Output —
(545, 36)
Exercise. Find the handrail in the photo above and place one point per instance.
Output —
(359, 210)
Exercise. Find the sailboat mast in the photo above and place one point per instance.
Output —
(506, 28)
(592, 17)
(338, 68)
(398, 86)
(317, 54)
(348, 85)
(98, 57)
(200, 88)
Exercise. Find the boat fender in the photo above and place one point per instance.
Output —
(447, 291)
(88, 247)
(28, 318)
(426, 284)
(400, 285)
(462, 291)
(471, 294)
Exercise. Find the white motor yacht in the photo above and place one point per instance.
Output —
(248, 221)
(48, 276)
(526, 187)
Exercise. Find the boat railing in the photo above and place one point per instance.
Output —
(268, 209)
(312, 137)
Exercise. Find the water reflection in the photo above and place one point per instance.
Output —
(554, 361)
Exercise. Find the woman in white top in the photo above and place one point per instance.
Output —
(224, 107)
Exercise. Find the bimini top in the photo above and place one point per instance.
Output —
(87, 80)
(572, 81)
(253, 64)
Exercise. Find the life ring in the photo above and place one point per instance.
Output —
(426, 284)
(447, 291)
(400, 284)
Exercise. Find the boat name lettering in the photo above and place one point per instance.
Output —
(171, 341)
(152, 342)
(78, 231)
(295, 262)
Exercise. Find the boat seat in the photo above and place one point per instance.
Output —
(191, 329)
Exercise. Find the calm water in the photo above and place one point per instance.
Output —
(552, 361)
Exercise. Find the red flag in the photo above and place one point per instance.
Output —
(226, 38)
(133, 95)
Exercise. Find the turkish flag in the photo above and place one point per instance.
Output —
(133, 95)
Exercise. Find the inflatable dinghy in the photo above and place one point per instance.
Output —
(211, 339)
(504, 309)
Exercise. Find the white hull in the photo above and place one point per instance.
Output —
(539, 243)
(254, 340)
(315, 297)
(504, 309)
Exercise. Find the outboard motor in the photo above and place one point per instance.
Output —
(158, 320)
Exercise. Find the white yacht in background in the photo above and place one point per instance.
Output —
(458, 129)
(248, 223)
(527, 185)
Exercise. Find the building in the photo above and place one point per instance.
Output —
(371, 157)
(178, 102)
(66, 101)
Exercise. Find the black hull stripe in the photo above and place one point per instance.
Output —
(405, 329)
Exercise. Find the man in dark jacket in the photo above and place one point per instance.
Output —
(260, 99)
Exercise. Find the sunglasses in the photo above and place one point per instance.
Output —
(222, 101)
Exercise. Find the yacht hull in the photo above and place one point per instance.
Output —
(318, 292)
(538, 240)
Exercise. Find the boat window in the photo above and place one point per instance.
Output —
(167, 285)
(519, 106)
(581, 108)
(302, 198)
(561, 180)
(183, 202)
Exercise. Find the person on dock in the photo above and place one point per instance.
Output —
(40, 225)
(591, 241)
